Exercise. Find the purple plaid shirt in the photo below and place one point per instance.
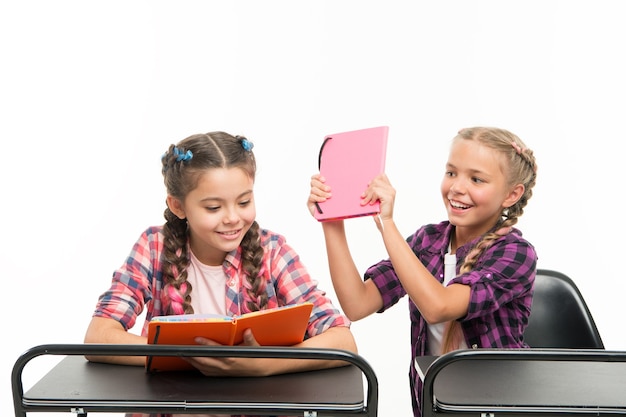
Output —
(501, 286)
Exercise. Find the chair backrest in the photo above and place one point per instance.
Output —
(559, 317)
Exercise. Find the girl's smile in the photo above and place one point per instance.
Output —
(229, 235)
(455, 205)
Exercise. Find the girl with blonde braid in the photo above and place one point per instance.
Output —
(470, 278)
(211, 256)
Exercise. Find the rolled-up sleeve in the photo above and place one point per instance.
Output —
(506, 274)
(131, 285)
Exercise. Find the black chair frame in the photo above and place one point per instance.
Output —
(370, 406)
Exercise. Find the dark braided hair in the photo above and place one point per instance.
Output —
(520, 167)
(183, 165)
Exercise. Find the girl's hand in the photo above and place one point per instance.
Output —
(320, 192)
(380, 189)
(216, 366)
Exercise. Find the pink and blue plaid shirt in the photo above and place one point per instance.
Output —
(501, 286)
(138, 283)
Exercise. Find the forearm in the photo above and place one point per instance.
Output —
(108, 331)
(357, 298)
(435, 302)
(334, 338)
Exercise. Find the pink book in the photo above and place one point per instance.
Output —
(349, 161)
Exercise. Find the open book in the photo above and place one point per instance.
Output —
(349, 161)
(280, 326)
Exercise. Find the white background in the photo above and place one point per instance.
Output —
(92, 93)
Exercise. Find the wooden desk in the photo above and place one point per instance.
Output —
(524, 382)
(77, 386)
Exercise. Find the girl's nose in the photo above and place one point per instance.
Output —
(230, 217)
(457, 186)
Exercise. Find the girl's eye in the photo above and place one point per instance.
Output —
(213, 208)
(449, 174)
(477, 180)
(244, 203)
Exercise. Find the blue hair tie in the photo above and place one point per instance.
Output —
(246, 144)
(182, 156)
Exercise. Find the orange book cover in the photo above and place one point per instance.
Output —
(280, 326)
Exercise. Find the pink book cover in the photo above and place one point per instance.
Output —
(349, 161)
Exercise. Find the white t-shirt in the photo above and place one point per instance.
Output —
(208, 285)
(208, 296)
(436, 331)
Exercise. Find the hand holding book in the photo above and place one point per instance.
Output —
(349, 161)
(281, 326)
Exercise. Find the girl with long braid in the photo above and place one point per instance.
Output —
(469, 279)
(211, 256)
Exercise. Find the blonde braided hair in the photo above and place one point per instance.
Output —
(520, 167)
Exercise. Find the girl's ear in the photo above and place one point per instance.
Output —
(514, 195)
(176, 207)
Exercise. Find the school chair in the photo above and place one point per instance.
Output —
(559, 317)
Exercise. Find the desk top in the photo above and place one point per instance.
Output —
(522, 386)
(74, 382)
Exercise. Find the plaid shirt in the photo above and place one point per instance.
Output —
(138, 284)
(501, 288)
